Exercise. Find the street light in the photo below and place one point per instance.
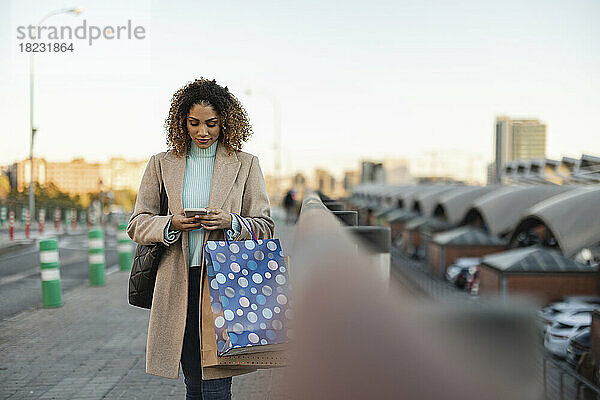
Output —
(73, 11)
(276, 138)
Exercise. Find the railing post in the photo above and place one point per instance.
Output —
(377, 241)
(50, 273)
(73, 219)
(96, 256)
(42, 217)
(11, 222)
(334, 205)
(56, 219)
(27, 223)
(124, 245)
(349, 218)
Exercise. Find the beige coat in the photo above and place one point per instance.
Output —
(238, 186)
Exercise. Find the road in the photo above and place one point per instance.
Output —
(20, 284)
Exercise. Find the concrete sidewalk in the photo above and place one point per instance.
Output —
(93, 347)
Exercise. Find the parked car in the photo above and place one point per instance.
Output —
(579, 344)
(563, 329)
(582, 299)
(547, 315)
(466, 278)
(460, 270)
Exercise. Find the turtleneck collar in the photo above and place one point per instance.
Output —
(197, 152)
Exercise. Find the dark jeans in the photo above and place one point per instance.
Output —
(195, 387)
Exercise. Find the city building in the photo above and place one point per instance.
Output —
(490, 173)
(372, 172)
(21, 173)
(397, 171)
(299, 181)
(324, 182)
(523, 139)
(76, 176)
(351, 180)
(79, 176)
(450, 165)
(120, 174)
(299, 184)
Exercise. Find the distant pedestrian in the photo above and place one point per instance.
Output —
(203, 168)
(289, 205)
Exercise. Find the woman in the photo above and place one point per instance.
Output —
(204, 167)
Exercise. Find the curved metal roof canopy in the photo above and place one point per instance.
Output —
(573, 217)
(422, 191)
(502, 208)
(425, 201)
(406, 198)
(453, 206)
(534, 259)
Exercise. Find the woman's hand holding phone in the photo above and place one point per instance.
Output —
(213, 220)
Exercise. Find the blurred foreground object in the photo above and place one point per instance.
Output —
(357, 339)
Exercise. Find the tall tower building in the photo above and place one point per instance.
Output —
(324, 182)
(519, 139)
(529, 140)
(372, 172)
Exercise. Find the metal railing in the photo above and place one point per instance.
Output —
(581, 383)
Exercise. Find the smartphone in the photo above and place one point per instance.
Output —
(190, 212)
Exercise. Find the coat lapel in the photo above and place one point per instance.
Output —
(173, 177)
(227, 167)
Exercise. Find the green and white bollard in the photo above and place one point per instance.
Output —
(125, 257)
(50, 270)
(96, 256)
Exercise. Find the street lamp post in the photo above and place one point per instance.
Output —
(74, 11)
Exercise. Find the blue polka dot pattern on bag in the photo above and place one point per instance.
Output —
(249, 292)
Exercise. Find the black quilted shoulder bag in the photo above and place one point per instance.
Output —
(145, 266)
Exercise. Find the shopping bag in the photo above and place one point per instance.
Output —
(209, 357)
(249, 295)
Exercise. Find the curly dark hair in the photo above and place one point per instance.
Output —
(234, 127)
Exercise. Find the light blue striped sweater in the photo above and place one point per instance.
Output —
(199, 168)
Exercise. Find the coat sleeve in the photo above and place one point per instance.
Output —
(145, 225)
(256, 209)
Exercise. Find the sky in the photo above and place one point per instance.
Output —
(354, 80)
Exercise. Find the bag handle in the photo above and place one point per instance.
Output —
(246, 224)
